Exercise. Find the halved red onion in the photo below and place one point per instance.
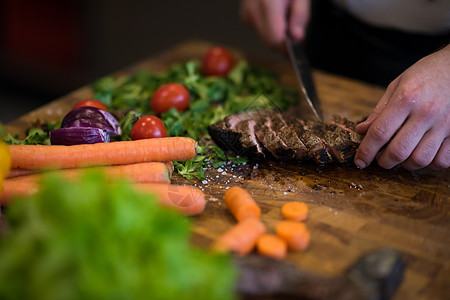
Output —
(92, 117)
(78, 135)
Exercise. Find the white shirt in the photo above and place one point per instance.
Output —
(416, 16)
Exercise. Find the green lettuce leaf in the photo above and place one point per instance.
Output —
(92, 239)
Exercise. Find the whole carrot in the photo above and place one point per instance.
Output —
(272, 246)
(150, 172)
(241, 204)
(241, 238)
(116, 153)
(294, 233)
(13, 189)
(188, 200)
(16, 172)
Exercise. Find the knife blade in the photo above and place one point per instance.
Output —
(302, 70)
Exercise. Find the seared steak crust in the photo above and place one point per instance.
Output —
(237, 133)
(288, 135)
(259, 134)
(272, 142)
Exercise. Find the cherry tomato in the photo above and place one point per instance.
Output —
(148, 127)
(217, 62)
(170, 95)
(91, 103)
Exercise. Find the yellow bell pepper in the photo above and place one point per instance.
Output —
(5, 162)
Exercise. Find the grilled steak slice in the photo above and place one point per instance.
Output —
(249, 141)
(288, 135)
(313, 141)
(236, 133)
(271, 141)
(349, 126)
(256, 134)
(338, 142)
(224, 136)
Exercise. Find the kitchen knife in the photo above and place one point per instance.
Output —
(303, 72)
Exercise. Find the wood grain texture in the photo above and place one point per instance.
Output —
(351, 211)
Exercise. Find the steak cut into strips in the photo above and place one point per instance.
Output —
(344, 122)
(237, 133)
(311, 137)
(248, 139)
(272, 142)
(288, 135)
(348, 126)
(259, 134)
(337, 140)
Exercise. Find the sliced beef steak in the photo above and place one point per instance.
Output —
(288, 135)
(337, 141)
(248, 139)
(311, 137)
(257, 134)
(348, 126)
(271, 141)
(237, 133)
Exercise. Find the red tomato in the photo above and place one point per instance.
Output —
(217, 62)
(170, 95)
(148, 127)
(91, 103)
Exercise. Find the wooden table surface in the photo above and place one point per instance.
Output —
(351, 211)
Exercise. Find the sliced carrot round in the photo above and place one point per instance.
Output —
(296, 211)
(294, 233)
(272, 246)
(241, 238)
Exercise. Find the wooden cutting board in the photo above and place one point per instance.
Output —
(351, 211)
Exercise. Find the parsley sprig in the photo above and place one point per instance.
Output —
(210, 156)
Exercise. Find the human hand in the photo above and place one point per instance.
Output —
(269, 18)
(412, 118)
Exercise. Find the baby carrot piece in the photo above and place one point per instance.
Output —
(294, 233)
(241, 238)
(272, 246)
(150, 172)
(241, 204)
(116, 153)
(296, 211)
(188, 200)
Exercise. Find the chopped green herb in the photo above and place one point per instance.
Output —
(126, 123)
(207, 156)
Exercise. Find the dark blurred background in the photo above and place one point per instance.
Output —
(51, 47)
